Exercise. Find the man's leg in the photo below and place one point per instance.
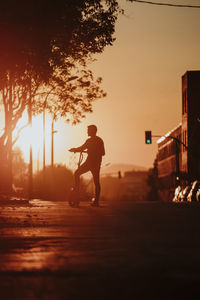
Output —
(95, 172)
(84, 168)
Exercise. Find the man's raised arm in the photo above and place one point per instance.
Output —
(79, 149)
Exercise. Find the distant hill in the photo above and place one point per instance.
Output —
(113, 169)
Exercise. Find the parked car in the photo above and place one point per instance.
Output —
(177, 192)
(184, 193)
(198, 194)
(192, 194)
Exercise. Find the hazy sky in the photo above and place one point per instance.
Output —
(141, 74)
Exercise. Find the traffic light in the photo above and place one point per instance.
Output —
(148, 137)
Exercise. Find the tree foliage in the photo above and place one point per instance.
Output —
(38, 35)
(69, 96)
(43, 45)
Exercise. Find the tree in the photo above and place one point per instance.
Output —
(43, 44)
(69, 96)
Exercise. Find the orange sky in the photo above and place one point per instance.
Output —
(141, 74)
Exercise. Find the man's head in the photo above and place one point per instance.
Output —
(92, 130)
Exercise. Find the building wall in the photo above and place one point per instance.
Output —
(188, 132)
(169, 158)
(190, 123)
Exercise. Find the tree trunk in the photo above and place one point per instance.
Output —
(9, 140)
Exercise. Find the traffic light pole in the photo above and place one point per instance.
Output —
(148, 137)
(173, 138)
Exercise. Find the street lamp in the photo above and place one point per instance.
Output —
(52, 141)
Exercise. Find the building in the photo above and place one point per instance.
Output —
(179, 150)
(191, 124)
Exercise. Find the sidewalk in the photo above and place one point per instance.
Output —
(13, 200)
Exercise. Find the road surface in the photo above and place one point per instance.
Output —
(122, 250)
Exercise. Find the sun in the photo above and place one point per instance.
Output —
(33, 136)
(66, 136)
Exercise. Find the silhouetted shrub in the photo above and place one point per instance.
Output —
(54, 183)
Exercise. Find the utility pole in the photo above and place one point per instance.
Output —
(38, 161)
(44, 158)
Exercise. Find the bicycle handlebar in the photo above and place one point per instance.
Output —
(84, 151)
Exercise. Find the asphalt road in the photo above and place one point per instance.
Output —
(121, 250)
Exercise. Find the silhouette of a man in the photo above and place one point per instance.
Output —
(95, 150)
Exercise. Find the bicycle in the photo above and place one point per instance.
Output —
(74, 196)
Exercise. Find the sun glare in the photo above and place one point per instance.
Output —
(34, 136)
(66, 136)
